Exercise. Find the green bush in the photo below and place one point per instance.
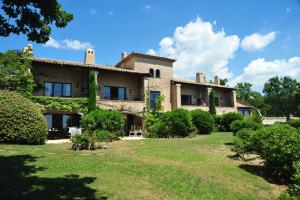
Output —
(244, 142)
(227, 119)
(255, 117)
(177, 123)
(107, 136)
(154, 126)
(101, 119)
(238, 125)
(295, 187)
(83, 142)
(21, 121)
(203, 121)
(279, 146)
(294, 123)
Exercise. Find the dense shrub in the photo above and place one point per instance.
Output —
(175, 123)
(154, 126)
(178, 123)
(238, 125)
(227, 119)
(21, 121)
(279, 145)
(255, 117)
(83, 141)
(295, 187)
(217, 120)
(102, 125)
(102, 120)
(294, 123)
(107, 136)
(203, 121)
(244, 142)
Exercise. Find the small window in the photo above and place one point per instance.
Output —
(57, 89)
(151, 71)
(157, 73)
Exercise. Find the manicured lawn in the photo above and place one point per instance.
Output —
(192, 168)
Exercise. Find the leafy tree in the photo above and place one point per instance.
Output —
(223, 81)
(212, 102)
(92, 90)
(15, 72)
(32, 18)
(245, 94)
(282, 95)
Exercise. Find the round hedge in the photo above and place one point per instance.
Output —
(203, 121)
(21, 121)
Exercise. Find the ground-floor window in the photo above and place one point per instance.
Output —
(186, 100)
(114, 93)
(245, 112)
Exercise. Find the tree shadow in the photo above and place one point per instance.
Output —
(260, 170)
(18, 181)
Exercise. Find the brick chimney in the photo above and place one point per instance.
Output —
(89, 57)
(217, 80)
(200, 78)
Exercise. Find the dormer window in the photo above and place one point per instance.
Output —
(151, 71)
(157, 73)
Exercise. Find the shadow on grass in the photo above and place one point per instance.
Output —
(17, 181)
(261, 171)
(229, 143)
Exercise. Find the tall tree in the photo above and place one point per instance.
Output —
(32, 18)
(15, 72)
(92, 90)
(223, 81)
(212, 102)
(282, 95)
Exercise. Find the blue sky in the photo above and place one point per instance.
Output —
(241, 40)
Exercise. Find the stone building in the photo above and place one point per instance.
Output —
(124, 87)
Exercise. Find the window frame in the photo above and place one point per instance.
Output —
(62, 89)
(152, 106)
(157, 73)
(118, 99)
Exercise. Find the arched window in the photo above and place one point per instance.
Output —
(151, 71)
(157, 73)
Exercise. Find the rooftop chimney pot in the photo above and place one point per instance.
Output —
(89, 57)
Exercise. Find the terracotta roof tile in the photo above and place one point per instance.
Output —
(78, 64)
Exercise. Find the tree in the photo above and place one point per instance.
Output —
(244, 91)
(223, 81)
(92, 90)
(15, 72)
(32, 18)
(282, 95)
(212, 102)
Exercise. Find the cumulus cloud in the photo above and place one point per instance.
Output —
(260, 70)
(257, 41)
(198, 48)
(52, 43)
(68, 44)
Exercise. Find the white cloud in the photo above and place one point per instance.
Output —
(52, 43)
(257, 41)
(76, 44)
(92, 11)
(260, 70)
(68, 44)
(198, 48)
(147, 7)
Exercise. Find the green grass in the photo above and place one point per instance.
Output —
(191, 168)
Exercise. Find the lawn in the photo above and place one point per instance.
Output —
(191, 168)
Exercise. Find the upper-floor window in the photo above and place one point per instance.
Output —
(114, 93)
(157, 73)
(154, 95)
(55, 89)
(151, 71)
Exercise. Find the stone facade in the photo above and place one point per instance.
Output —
(138, 74)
